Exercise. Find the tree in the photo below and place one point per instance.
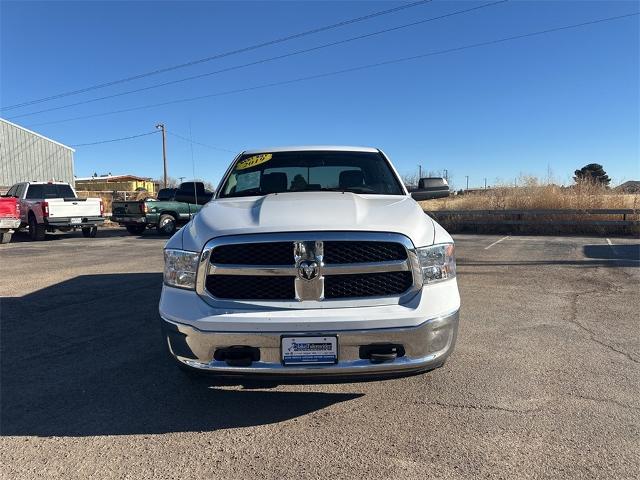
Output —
(175, 183)
(171, 182)
(410, 179)
(207, 184)
(592, 173)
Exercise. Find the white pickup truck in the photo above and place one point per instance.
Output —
(49, 206)
(310, 262)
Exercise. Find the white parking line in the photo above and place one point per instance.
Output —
(496, 242)
(609, 242)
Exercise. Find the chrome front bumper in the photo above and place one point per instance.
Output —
(426, 346)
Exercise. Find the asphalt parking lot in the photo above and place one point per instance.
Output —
(544, 382)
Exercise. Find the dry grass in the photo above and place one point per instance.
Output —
(536, 195)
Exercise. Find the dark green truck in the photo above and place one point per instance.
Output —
(173, 208)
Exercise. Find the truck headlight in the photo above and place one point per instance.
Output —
(180, 268)
(437, 262)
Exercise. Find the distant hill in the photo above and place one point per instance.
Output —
(632, 186)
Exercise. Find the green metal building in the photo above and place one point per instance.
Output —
(29, 156)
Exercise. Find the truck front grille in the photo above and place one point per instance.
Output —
(363, 252)
(246, 287)
(309, 266)
(281, 253)
(369, 285)
(267, 253)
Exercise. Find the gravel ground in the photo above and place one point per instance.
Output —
(544, 381)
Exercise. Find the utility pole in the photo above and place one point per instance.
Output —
(181, 178)
(446, 174)
(164, 151)
(485, 183)
(419, 172)
(467, 177)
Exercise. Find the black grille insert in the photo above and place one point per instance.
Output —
(281, 253)
(268, 253)
(362, 252)
(367, 285)
(249, 287)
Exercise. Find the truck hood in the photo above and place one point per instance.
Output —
(304, 212)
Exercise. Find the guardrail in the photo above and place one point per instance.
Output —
(519, 214)
(553, 217)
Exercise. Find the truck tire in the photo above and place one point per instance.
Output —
(166, 224)
(136, 229)
(5, 237)
(89, 232)
(36, 231)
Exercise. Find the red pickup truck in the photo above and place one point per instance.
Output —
(9, 217)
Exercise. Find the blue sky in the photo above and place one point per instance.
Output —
(555, 101)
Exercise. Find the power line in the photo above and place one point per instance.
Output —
(346, 70)
(265, 60)
(198, 143)
(224, 54)
(114, 139)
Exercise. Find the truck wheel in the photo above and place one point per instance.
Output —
(166, 224)
(89, 232)
(5, 237)
(136, 229)
(36, 232)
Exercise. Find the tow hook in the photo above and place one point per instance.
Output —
(237, 355)
(382, 352)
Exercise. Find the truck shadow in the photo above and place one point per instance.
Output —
(625, 252)
(612, 256)
(85, 357)
(111, 232)
(114, 232)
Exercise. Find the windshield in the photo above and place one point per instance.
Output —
(49, 190)
(311, 171)
(166, 194)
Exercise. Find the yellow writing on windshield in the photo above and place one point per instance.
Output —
(253, 161)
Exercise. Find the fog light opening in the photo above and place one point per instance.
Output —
(438, 339)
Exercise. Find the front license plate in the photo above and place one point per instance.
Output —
(76, 220)
(309, 350)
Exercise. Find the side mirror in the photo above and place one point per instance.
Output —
(430, 188)
(420, 195)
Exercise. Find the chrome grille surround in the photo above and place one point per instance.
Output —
(308, 247)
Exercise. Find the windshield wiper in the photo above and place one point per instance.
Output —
(347, 189)
(254, 192)
(258, 193)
